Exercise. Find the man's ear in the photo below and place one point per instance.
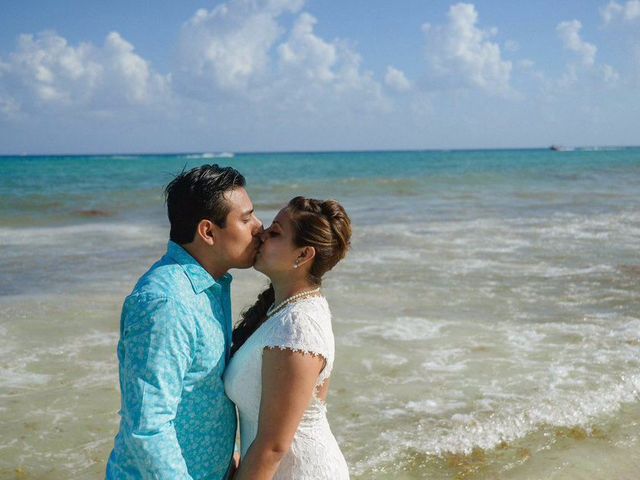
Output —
(206, 231)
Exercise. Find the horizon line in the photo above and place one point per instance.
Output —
(271, 152)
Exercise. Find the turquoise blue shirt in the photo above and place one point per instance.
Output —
(176, 421)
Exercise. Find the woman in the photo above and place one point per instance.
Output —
(283, 349)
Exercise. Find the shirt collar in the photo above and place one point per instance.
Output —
(200, 279)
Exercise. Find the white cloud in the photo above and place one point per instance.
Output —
(611, 11)
(46, 69)
(586, 70)
(47, 72)
(307, 53)
(9, 106)
(526, 63)
(307, 59)
(237, 61)
(238, 48)
(229, 46)
(396, 79)
(609, 74)
(277, 7)
(628, 11)
(316, 75)
(131, 74)
(569, 33)
(460, 52)
(511, 46)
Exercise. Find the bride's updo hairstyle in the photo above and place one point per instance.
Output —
(323, 225)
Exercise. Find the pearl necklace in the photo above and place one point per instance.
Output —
(275, 309)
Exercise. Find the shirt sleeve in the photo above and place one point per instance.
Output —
(159, 338)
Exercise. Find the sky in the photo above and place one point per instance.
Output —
(88, 76)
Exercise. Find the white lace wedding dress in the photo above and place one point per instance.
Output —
(303, 326)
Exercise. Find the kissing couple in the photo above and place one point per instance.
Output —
(184, 369)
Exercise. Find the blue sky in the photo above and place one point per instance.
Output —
(264, 75)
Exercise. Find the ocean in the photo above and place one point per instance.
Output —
(487, 319)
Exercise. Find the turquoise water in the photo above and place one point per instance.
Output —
(57, 190)
(486, 319)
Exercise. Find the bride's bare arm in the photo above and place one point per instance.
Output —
(288, 380)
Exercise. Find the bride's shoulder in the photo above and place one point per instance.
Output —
(310, 309)
(308, 313)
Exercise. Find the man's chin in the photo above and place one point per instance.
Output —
(244, 266)
(256, 264)
(257, 267)
(249, 263)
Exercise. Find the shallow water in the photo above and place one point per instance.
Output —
(486, 319)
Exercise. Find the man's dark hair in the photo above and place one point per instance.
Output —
(199, 194)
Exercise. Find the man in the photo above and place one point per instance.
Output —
(175, 335)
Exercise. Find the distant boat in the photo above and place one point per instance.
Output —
(560, 148)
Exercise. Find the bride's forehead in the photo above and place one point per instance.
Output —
(282, 216)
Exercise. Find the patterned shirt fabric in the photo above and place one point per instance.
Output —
(175, 336)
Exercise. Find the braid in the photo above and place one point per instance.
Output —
(252, 318)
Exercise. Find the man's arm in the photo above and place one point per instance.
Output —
(159, 339)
